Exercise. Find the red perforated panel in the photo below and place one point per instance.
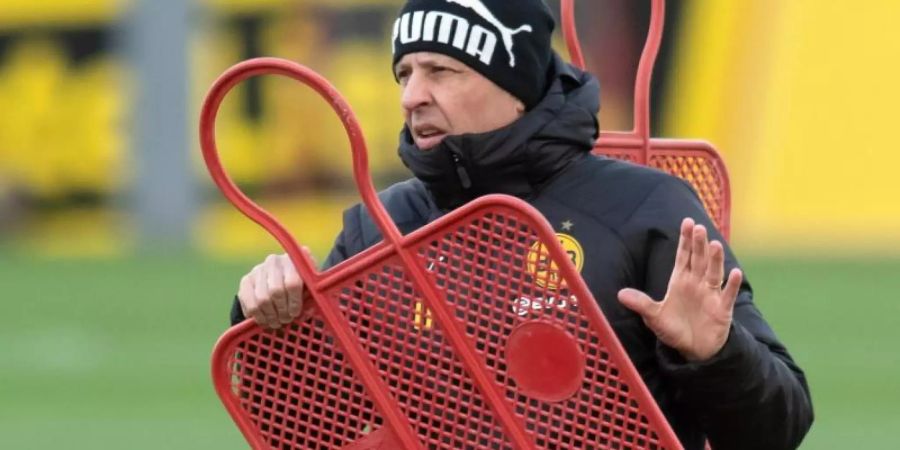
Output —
(482, 267)
(492, 263)
(703, 174)
(695, 161)
(416, 360)
(476, 331)
(293, 388)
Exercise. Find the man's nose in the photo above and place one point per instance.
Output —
(416, 93)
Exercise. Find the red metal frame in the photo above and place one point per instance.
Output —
(410, 344)
(301, 260)
(283, 389)
(696, 161)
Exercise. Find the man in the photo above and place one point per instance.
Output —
(489, 108)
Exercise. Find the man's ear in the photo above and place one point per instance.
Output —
(520, 108)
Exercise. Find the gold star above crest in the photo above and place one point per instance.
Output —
(567, 225)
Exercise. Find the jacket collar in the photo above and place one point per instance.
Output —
(518, 159)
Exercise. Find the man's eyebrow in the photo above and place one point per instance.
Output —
(401, 67)
(423, 63)
(429, 63)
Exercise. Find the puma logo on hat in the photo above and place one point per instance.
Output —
(472, 31)
(506, 32)
(444, 28)
(473, 39)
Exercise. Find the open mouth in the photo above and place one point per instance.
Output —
(427, 136)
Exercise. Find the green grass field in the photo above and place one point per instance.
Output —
(114, 354)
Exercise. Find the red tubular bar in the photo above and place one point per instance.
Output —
(470, 363)
(639, 137)
(695, 161)
(305, 266)
(644, 77)
(302, 262)
(570, 33)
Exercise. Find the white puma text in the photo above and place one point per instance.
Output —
(447, 28)
(505, 31)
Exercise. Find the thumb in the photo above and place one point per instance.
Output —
(638, 302)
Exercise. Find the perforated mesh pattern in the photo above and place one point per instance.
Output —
(298, 391)
(702, 175)
(418, 364)
(482, 269)
(491, 274)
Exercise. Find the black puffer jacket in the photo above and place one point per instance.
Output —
(750, 396)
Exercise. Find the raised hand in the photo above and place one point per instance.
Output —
(695, 316)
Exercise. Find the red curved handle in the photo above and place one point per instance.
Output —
(304, 264)
(263, 66)
(570, 33)
(645, 68)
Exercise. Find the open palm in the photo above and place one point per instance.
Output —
(695, 315)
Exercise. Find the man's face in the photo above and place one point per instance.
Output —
(443, 97)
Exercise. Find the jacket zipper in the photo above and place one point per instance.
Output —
(461, 172)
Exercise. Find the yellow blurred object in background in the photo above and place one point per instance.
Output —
(801, 98)
(61, 127)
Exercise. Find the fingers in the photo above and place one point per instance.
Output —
(693, 252)
(639, 302)
(716, 269)
(250, 301)
(732, 287)
(247, 297)
(268, 316)
(272, 293)
(683, 255)
(277, 290)
(699, 251)
(293, 286)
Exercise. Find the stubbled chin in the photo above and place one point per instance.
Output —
(430, 142)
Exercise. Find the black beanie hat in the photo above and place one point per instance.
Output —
(507, 41)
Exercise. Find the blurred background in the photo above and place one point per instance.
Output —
(119, 260)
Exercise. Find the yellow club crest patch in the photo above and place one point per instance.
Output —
(544, 270)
